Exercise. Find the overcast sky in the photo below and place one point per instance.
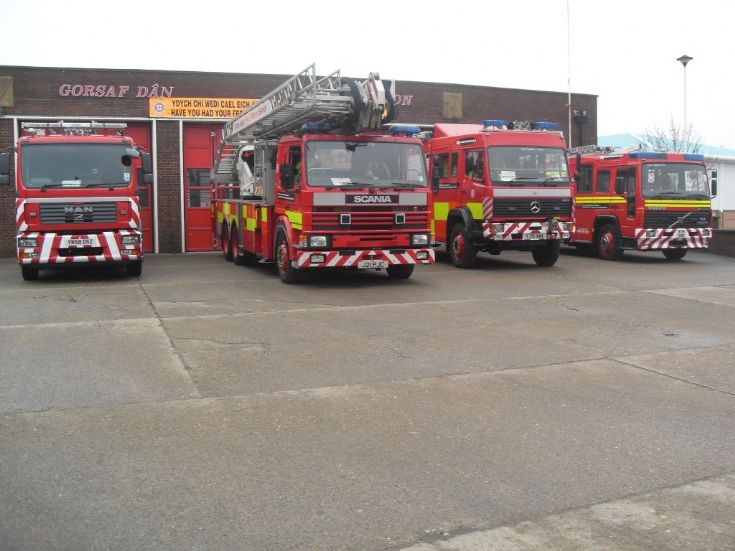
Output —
(624, 51)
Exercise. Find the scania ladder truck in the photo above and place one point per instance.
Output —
(640, 200)
(499, 186)
(309, 178)
(77, 197)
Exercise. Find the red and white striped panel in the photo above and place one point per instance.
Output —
(696, 238)
(49, 245)
(487, 208)
(20, 218)
(524, 228)
(135, 212)
(334, 259)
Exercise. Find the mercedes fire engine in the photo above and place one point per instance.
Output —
(307, 178)
(76, 196)
(500, 185)
(639, 200)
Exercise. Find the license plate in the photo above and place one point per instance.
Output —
(532, 235)
(681, 234)
(372, 264)
(80, 242)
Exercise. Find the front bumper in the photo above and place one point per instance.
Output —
(56, 249)
(526, 231)
(655, 239)
(362, 259)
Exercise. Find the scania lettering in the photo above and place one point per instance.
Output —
(77, 197)
(308, 178)
(499, 186)
(640, 200)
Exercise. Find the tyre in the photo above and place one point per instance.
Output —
(286, 271)
(674, 254)
(608, 243)
(29, 273)
(461, 250)
(548, 254)
(226, 242)
(134, 269)
(400, 271)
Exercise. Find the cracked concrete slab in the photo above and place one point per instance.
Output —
(89, 364)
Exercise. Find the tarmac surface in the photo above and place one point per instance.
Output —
(209, 406)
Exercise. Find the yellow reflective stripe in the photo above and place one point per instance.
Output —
(296, 219)
(703, 203)
(600, 199)
(226, 209)
(220, 217)
(250, 224)
(441, 211)
(476, 210)
(264, 214)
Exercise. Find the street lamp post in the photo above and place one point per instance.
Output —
(684, 60)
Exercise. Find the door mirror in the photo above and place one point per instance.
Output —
(713, 183)
(147, 163)
(435, 175)
(287, 176)
(4, 164)
(147, 178)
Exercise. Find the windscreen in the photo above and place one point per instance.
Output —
(532, 166)
(74, 165)
(675, 181)
(362, 163)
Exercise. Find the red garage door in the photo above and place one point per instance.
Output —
(200, 144)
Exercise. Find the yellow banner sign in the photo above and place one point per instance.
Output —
(198, 108)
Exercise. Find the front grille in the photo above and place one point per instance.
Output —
(522, 207)
(84, 213)
(677, 219)
(367, 220)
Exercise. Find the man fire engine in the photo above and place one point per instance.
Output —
(305, 178)
(639, 200)
(499, 186)
(77, 199)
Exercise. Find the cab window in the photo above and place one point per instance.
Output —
(474, 165)
(441, 162)
(584, 183)
(603, 181)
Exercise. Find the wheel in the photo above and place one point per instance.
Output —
(226, 242)
(608, 243)
(29, 273)
(548, 254)
(134, 269)
(674, 254)
(286, 271)
(400, 271)
(461, 250)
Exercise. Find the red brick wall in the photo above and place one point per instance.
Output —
(7, 195)
(169, 187)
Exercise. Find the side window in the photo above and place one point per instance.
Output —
(294, 159)
(455, 163)
(474, 165)
(603, 181)
(584, 184)
(441, 162)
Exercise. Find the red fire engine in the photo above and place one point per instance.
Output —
(639, 200)
(307, 179)
(77, 199)
(498, 186)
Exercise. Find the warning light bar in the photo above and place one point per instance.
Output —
(404, 130)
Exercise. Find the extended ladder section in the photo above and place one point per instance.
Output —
(69, 128)
(330, 102)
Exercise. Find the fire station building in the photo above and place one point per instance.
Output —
(178, 116)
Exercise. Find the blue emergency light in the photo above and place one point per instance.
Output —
(404, 130)
(693, 157)
(646, 155)
(487, 123)
(316, 127)
(546, 125)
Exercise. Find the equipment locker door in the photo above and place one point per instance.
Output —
(200, 144)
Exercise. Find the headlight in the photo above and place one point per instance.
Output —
(318, 241)
(27, 242)
(498, 228)
(317, 258)
(130, 239)
(420, 239)
(705, 233)
(650, 233)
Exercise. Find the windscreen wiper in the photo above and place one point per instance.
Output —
(44, 187)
